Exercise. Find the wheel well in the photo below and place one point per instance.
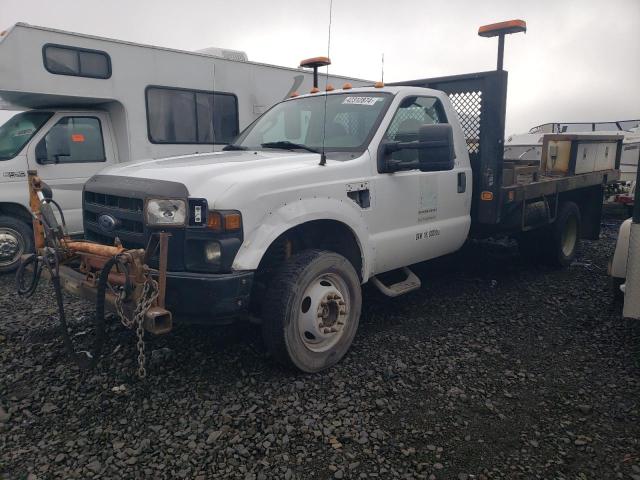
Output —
(323, 234)
(15, 210)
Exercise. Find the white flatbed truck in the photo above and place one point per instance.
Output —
(329, 190)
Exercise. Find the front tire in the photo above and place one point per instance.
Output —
(16, 239)
(311, 310)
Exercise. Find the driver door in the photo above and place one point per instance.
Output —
(417, 213)
(73, 147)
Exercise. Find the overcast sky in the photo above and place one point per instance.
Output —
(579, 60)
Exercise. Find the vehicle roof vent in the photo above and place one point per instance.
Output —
(237, 55)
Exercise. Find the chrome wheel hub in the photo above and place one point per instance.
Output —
(323, 314)
(11, 246)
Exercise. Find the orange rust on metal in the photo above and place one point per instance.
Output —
(162, 267)
(35, 186)
(502, 28)
(315, 62)
(93, 248)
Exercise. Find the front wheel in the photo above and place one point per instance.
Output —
(16, 239)
(311, 310)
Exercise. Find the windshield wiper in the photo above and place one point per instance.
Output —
(232, 146)
(287, 145)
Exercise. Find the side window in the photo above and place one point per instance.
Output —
(78, 62)
(189, 116)
(72, 140)
(412, 113)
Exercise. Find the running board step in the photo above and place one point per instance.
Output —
(411, 283)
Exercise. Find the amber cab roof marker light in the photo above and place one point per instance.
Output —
(378, 85)
(315, 63)
(499, 30)
(314, 90)
(330, 88)
(347, 86)
(294, 94)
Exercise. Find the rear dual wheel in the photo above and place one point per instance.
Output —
(311, 310)
(556, 244)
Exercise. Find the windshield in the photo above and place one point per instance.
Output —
(18, 130)
(351, 120)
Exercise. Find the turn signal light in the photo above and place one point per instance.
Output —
(224, 221)
(232, 221)
(214, 221)
(486, 196)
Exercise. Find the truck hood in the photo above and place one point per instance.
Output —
(219, 171)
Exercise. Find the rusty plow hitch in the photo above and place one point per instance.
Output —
(117, 279)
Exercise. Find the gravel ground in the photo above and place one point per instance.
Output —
(494, 369)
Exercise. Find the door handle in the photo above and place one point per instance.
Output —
(462, 182)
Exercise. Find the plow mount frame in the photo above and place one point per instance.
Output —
(80, 263)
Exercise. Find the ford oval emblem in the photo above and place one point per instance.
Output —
(107, 223)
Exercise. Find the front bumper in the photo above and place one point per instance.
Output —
(207, 297)
(215, 299)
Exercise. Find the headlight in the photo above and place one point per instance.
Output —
(164, 212)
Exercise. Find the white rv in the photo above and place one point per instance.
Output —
(93, 102)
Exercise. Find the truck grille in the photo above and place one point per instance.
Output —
(128, 213)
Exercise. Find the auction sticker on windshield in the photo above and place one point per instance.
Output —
(361, 100)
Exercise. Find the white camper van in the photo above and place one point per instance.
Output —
(93, 102)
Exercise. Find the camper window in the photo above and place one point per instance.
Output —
(80, 62)
(72, 140)
(189, 116)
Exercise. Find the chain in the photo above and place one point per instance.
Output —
(148, 296)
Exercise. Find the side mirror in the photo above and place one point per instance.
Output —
(436, 150)
(433, 151)
(42, 156)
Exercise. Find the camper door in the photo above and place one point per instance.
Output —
(71, 148)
